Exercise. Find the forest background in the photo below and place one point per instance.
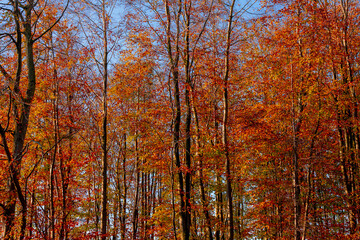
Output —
(179, 119)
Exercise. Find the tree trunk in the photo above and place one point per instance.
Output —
(187, 8)
(225, 124)
(173, 55)
(135, 218)
(21, 125)
(104, 213)
(124, 198)
(203, 195)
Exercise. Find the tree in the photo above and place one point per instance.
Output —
(22, 15)
(103, 10)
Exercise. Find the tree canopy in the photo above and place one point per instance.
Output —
(179, 119)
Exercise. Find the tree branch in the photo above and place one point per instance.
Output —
(47, 30)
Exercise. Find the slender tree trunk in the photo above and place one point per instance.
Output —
(143, 204)
(65, 168)
(219, 195)
(203, 195)
(135, 218)
(349, 132)
(187, 8)
(56, 144)
(173, 198)
(33, 215)
(297, 109)
(96, 202)
(173, 55)
(124, 198)
(116, 219)
(225, 124)
(296, 183)
(307, 204)
(309, 174)
(104, 212)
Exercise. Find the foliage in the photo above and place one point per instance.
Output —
(290, 118)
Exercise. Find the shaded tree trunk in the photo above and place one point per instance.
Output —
(104, 146)
(225, 124)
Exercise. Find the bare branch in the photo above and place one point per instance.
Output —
(47, 30)
(6, 75)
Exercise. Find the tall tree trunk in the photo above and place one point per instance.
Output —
(10, 205)
(104, 199)
(225, 124)
(124, 198)
(135, 218)
(349, 132)
(295, 178)
(173, 55)
(218, 180)
(56, 143)
(65, 168)
(198, 156)
(21, 123)
(188, 84)
(297, 109)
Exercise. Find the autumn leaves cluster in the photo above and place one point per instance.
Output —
(180, 119)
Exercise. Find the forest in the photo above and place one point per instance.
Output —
(179, 119)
